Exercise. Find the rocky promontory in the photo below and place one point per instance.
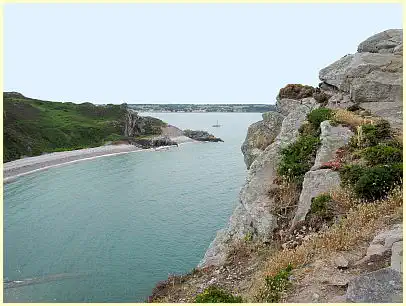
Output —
(319, 215)
(201, 136)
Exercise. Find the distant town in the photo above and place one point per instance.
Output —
(203, 108)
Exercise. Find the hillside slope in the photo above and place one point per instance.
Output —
(33, 127)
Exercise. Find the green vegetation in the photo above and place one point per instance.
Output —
(319, 115)
(320, 207)
(372, 134)
(213, 294)
(296, 158)
(382, 154)
(377, 162)
(277, 284)
(372, 183)
(33, 127)
(350, 174)
(377, 181)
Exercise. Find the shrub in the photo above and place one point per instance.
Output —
(296, 91)
(320, 207)
(308, 129)
(319, 115)
(382, 154)
(276, 285)
(372, 134)
(296, 158)
(350, 174)
(213, 294)
(376, 182)
(382, 129)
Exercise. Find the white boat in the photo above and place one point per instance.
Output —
(216, 125)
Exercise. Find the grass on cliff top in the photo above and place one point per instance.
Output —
(33, 127)
(361, 222)
(213, 294)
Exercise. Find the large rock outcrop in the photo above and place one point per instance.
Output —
(383, 285)
(388, 41)
(372, 77)
(332, 138)
(253, 213)
(318, 181)
(260, 135)
(314, 183)
(135, 125)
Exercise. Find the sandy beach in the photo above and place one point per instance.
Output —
(14, 169)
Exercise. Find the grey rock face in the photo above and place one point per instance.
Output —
(384, 285)
(393, 112)
(332, 138)
(381, 286)
(340, 100)
(253, 211)
(314, 183)
(261, 134)
(397, 256)
(285, 106)
(382, 244)
(373, 77)
(367, 77)
(135, 125)
(383, 42)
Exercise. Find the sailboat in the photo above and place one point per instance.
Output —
(216, 125)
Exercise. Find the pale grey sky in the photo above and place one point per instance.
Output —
(179, 53)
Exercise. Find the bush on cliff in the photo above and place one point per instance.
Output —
(372, 134)
(372, 183)
(317, 116)
(213, 294)
(297, 158)
(320, 206)
(376, 182)
(296, 91)
(382, 154)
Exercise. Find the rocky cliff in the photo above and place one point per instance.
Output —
(370, 79)
(324, 179)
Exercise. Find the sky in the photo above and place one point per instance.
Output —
(179, 53)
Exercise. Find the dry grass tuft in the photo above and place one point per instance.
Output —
(351, 119)
(361, 223)
(296, 91)
(285, 196)
(262, 142)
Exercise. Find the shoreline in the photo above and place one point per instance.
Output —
(28, 165)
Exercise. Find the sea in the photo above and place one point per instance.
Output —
(109, 229)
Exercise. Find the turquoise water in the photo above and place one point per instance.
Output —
(108, 229)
